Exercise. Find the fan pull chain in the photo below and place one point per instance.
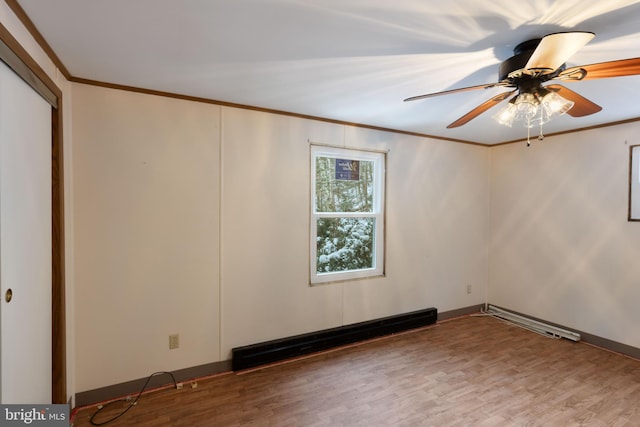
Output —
(528, 132)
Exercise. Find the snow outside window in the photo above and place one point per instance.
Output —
(347, 214)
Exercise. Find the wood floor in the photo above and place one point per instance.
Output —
(471, 371)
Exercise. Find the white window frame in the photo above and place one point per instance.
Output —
(634, 183)
(379, 160)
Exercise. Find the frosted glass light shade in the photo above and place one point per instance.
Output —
(533, 108)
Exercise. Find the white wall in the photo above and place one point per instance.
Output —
(146, 176)
(265, 227)
(561, 247)
(146, 186)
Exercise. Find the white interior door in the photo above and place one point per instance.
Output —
(25, 242)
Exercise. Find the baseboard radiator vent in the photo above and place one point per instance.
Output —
(531, 324)
(272, 351)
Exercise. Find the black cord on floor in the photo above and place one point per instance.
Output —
(93, 422)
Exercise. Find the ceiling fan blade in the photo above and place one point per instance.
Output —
(555, 49)
(581, 107)
(602, 70)
(480, 109)
(462, 89)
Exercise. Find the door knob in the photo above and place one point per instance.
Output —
(8, 295)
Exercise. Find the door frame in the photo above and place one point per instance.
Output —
(19, 60)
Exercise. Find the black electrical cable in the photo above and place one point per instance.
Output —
(175, 384)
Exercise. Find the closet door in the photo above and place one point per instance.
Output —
(25, 243)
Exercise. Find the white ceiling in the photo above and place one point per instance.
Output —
(348, 60)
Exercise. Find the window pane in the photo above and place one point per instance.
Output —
(344, 185)
(345, 244)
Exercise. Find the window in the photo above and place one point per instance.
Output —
(347, 214)
(634, 183)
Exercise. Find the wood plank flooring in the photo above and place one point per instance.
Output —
(471, 371)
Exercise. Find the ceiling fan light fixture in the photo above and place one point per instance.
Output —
(527, 106)
(523, 107)
(507, 115)
(533, 108)
(554, 104)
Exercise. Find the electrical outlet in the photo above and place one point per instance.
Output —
(174, 341)
(468, 289)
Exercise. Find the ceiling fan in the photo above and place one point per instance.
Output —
(536, 62)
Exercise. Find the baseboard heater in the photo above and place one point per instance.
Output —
(533, 325)
(272, 351)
